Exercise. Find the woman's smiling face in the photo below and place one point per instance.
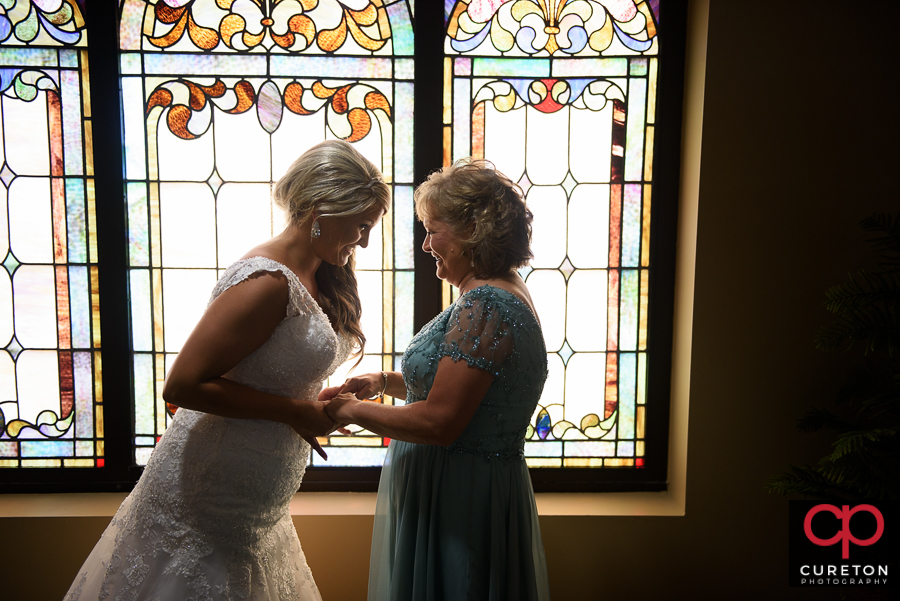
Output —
(341, 235)
(452, 264)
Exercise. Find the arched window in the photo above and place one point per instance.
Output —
(218, 97)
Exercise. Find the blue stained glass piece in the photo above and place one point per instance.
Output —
(543, 424)
(577, 86)
(578, 37)
(630, 42)
(5, 27)
(6, 77)
(524, 39)
(521, 86)
(473, 42)
(48, 448)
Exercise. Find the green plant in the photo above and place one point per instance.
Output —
(864, 463)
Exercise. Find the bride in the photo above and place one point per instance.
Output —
(209, 517)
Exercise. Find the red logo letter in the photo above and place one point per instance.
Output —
(844, 535)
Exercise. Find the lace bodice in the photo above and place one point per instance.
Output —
(301, 353)
(209, 518)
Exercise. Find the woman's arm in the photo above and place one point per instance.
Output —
(238, 322)
(457, 392)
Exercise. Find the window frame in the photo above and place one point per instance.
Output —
(121, 474)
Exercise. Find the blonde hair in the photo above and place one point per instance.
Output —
(472, 192)
(333, 179)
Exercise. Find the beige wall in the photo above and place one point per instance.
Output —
(798, 133)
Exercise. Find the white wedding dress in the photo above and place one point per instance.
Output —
(209, 518)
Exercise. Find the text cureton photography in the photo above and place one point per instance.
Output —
(842, 543)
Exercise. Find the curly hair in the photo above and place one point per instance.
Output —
(333, 179)
(472, 192)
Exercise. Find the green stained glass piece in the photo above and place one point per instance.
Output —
(401, 29)
(27, 29)
(25, 91)
(524, 271)
(76, 223)
(11, 263)
(14, 348)
(62, 16)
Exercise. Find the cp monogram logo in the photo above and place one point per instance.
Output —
(844, 535)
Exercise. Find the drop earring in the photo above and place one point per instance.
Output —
(316, 230)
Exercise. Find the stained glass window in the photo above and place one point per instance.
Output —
(561, 96)
(51, 395)
(220, 96)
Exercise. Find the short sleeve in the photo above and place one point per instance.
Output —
(478, 333)
(298, 299)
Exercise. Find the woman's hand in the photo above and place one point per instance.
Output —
(341, 406)
(364, 386)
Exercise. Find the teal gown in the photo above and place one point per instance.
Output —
(460, 522)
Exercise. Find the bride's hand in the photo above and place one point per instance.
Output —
(312, 421)
(329, 393)
(339, 408)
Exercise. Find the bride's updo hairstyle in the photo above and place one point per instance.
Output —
(472, 192)
(332, 179)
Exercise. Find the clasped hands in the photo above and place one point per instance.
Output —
(340, 400)
(333, 411)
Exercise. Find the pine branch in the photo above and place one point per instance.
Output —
(856, 442)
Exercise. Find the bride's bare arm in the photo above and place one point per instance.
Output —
(239, 321)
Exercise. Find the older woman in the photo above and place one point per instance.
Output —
(456, 517)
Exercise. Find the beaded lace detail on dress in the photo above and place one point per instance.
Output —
(486, 327)
(209, 519)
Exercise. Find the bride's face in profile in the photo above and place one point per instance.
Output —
(342, 234)
(452, 264)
